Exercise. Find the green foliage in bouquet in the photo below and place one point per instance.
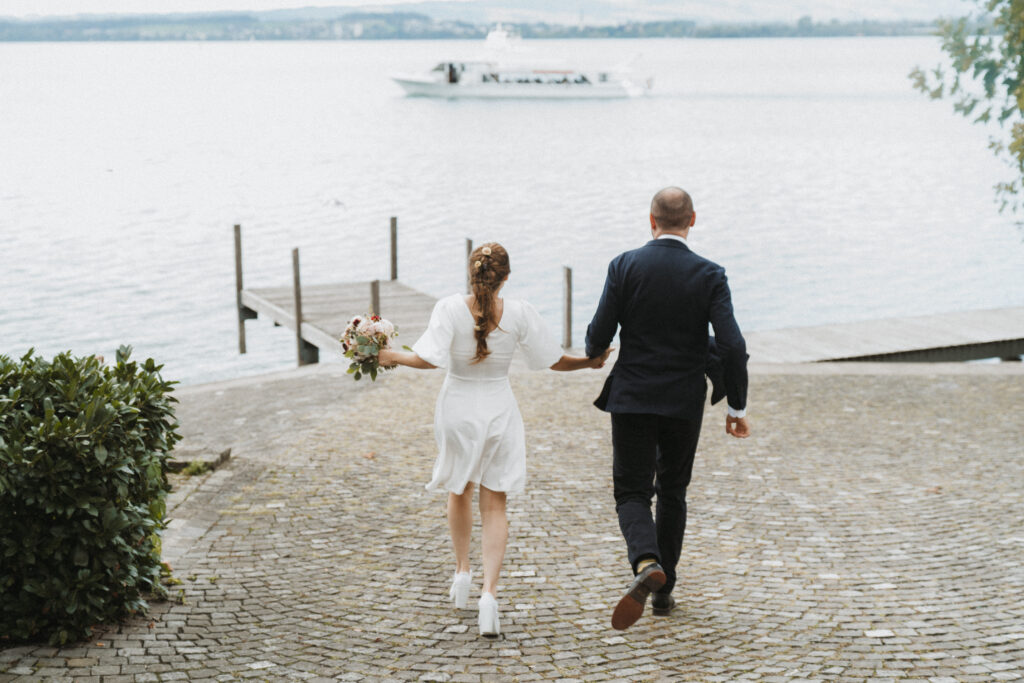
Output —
(369, 365)
(362, 341)
(83, 485)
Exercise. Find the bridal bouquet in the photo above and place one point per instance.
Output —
(363, 339)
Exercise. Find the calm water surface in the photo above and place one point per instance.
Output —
(827, 187)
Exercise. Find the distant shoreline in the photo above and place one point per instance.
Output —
(361, 26)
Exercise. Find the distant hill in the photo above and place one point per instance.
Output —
(436, 19)
(622, 11)
(598, 12)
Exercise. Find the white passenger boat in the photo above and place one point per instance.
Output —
(503, 71)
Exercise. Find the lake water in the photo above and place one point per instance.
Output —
(827, 187)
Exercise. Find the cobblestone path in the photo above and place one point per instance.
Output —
(872, 528)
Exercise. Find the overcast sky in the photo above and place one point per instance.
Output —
(828, 8)
(21, 8)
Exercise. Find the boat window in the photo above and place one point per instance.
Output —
(440, 67)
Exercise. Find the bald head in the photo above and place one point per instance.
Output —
(672, 209)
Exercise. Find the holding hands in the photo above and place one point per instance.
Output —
(568, 363)
(599, 361)
(389, 358)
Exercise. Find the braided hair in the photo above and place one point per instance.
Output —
(488, 268)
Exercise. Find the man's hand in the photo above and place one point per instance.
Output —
(599, 361)
(737, 426)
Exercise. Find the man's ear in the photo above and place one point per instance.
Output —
(693, 218)
(654, 224)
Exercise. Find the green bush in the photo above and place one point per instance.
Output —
(83, 485)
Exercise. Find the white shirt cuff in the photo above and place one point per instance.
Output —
(737, 413)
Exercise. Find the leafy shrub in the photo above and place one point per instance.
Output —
(83, 485)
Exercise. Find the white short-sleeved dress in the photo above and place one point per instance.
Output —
(477, 424)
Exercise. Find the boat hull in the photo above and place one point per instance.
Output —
(611, 90)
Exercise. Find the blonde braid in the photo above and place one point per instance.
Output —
(488, 268)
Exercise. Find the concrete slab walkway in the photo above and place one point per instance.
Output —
(871, 529)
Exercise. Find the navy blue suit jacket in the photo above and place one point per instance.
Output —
(663, 296)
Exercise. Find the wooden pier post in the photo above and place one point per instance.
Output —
(394, 247)
(469, 252)
(306, 352)
(244, 312)
(375, 297)
(567, 308)
(238, 288)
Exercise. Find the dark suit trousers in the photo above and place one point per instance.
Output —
(653, 454)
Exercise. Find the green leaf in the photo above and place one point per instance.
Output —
(984, 54)
(83, 483)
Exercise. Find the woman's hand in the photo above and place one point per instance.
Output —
(599, 361)
(569, 363)
(386, 357)
(389, 358)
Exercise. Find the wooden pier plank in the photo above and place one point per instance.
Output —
(327, 308)
(962, 333)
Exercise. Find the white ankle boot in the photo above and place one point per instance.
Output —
(460, 589)
(488, 619)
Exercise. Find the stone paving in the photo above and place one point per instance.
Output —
(871, 529)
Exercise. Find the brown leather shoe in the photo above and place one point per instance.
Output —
(631, 606)
(662, 604)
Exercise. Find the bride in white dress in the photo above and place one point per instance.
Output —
(477, 424)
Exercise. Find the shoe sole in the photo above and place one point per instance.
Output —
(489, 630)
(460, 597)
(662, 611)
(459, 593)
(631, 606)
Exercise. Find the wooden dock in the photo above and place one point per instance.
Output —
(946, 337)
(326, 309)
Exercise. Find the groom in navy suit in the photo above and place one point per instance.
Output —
(662, 297)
